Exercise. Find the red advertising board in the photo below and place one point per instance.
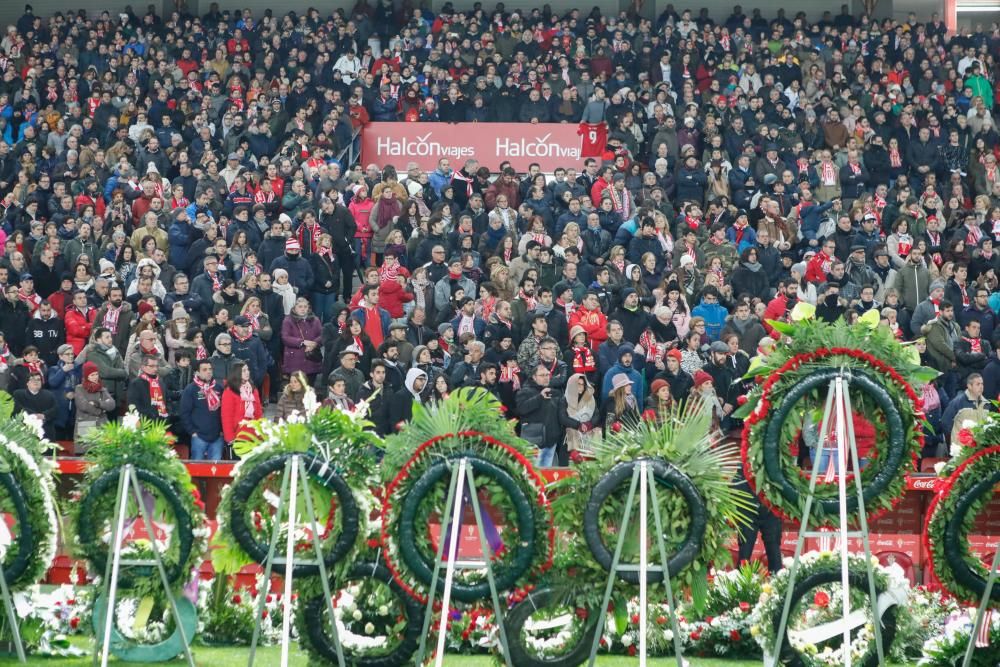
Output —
(551, 145)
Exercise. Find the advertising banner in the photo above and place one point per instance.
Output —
(551, 145)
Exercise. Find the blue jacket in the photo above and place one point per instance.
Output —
(383, 314)
(715, 317)
(300, 273)
(180, 236)
(253, 352)
(638, 384)
(439, 181)
(749, 239)
(196, 418)
(60, 382)
(812, 217)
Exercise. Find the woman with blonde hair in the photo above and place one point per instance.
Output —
(259, 321)
(621, 407)
(296, 396)
(504, 284)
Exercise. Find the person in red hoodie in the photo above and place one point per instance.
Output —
(821, 263)
(240, 403)
(392, 292)
(591, 319)
(79, 321)
(361, 208)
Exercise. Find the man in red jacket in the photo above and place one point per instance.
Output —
(79, 321)
(821, 263)
(780, 306)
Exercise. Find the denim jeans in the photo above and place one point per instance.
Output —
(205, 450)
(323, 304)
(824, 460)
(546, 455)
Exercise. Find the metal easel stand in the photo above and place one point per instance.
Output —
(642, 477)
(294, 474)
(12, 620)
(461, 478)
(977, 622)
(838, 408)
(128, 483)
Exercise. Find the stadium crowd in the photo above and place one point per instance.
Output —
(181, 234)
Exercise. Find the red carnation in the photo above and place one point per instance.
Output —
(745, 607)
(631, 649)
(735, 635)
(74, 622)
(740, 400)
(966, 438)
(649, 415)
(661, 620)
(582, 613)
(373, 543)
(237, 599)
(616, 427)
(821, 599)
(696, 635)
(635, 618)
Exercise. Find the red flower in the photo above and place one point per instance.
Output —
(740, 400)
(503, 409)
(696, 635)
(237, 599)
(821, 599)
(74, 622)
(616, 427)
(745, 607)
(373, 543)
(631, 649)
(582, 613)
(400, 425)
(649, 415)
(635, 618)
(966, 438)
(735, 635)
(264, 615)
(661, 620)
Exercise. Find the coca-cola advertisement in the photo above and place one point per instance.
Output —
(551, 145)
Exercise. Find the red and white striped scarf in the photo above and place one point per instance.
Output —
(111, 315)
(509, 373)
(975, 344)
(827, 173)
(211, 395)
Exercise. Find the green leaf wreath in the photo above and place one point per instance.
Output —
(680, 436)
(792, 390)
(175, 501)
(27, 494)
(332, 439)
(468, 423)
(964, 488)
(817, 600)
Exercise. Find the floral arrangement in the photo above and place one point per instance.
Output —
(794, 380)
(227, 615)
(335, 446)
(948, 647)
(819, 601)
(512, 494)
(170, 497)
(724, 630)
(28, 484)
(964, 487)
(926, 614)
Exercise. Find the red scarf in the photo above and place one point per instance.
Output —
(583, 360)
(201, 353)
(855, 168)
(34, 367)
(509, 373)
(236, 336)
(828, 175)
(740, 228)
(216, 281)
(155, 395)
(249, 404)
(211, 395)
(972, 235)
(529, 301)
(895, 159)
(975, 343)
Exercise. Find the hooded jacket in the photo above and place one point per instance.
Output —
(401, 408)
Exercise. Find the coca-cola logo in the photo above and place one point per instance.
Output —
(922, 483)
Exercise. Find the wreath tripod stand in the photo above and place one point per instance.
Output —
(643, 479)
(15, 628)
(838, 414)
(128, 484)
(981, 611)
(294, 474)
(461, 489)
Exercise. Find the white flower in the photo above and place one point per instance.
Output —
(369, 628)
(356, 615)
(938, 467)
(310, 403)
(131, 420)
(35, 423)
(627, 640)
(968, 423)
(383, 610)
(955, 451)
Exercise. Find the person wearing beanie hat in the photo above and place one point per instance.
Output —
(93, 403)
(928, 309)
(660, 399)
(300, 273)
(700, 378)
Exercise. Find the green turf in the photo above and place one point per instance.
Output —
(267, 657)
